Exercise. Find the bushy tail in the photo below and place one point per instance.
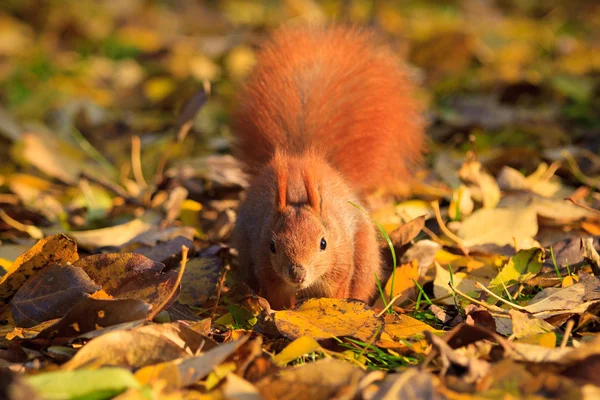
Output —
(334, 90)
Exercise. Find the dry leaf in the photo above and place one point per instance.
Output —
(50, 294)
(500, 226)
(53, 249)
(323, 379)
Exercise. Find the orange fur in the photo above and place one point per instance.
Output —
(326, 116)
(332, 89)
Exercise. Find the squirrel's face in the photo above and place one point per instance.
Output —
(300, 247)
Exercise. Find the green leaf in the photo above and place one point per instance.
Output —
(103, 383)
(522, 266)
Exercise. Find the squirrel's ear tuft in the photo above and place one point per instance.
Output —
(312, 193)
(281, 175)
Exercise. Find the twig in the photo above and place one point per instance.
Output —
(220, 289)
(478, 302)
(184, 259)
(136, 161)
(568, 330)
(438, 216)
(31, 230)
(494, 295)
(391, 303)
(588, 208)
(577, 173)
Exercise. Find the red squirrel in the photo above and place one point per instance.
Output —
(326, 116)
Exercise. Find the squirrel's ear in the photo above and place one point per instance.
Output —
(280, 170)
(311, 192)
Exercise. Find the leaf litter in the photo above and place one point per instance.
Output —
(117, 204)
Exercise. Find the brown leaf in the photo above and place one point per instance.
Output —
(410, 384)
(141, 346)
(91, 314)
(50, 294)
(471, 369)
(324, 379)
(188, 370)
(168, 253)
(53, 249)
(154, 289)
(132, 276)
(112, 271)
(407, 232)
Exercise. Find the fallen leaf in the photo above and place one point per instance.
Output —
(482, 185)
(168, 253)
(323, 379)
(89, 384)
(200, 280)
(500, 226)
(239, 388)
(111, 271)
(298, 348)
(138, 347)
(50, 294)
(52, 156)
(399, 328)
(522, 266)
(91, 314)
(549, 299)
(328, 318)
(57, 249)
(511, 179)
(407, 232)
(527, 325)
(411, 383)
(188, 370)
(462, 281)
(115, 235)
(403, 283)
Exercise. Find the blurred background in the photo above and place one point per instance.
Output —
(518, 74)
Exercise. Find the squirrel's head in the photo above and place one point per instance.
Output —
(299, 248)
(299, 244)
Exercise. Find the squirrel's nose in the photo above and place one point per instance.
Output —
(297, 273)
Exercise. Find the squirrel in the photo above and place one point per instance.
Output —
(326, 117)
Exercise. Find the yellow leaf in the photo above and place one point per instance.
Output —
(5, 264)
(327, 318)
(401, 327)
(569, 280)
(225, 320)
(412, 209)
(203, 68)
(239, 62)
(156, 89)
(298, 348)
(547, 339)
(218, 373)
(404, 283)
(168, 372)
(190, 211)
(139, 37)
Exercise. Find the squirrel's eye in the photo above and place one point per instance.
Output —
(323, 244)
(272, 246)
